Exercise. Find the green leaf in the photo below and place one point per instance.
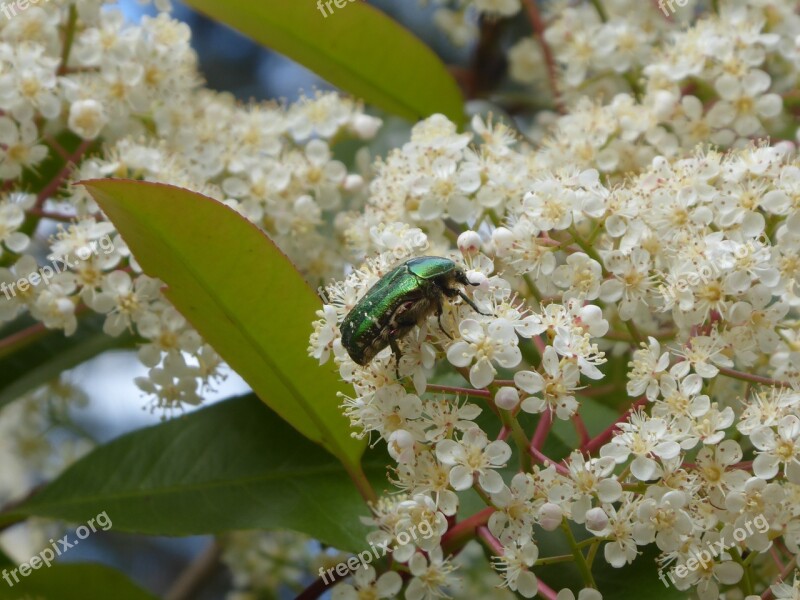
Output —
(234, 465)
(243, 296)
(5, 561)
(51, 353)
(357, 48)
(77, 581)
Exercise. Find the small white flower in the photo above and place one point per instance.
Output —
(663, 521)
(515, 515)
(704, 354)
(774, 451)
(431, 577)
(474, 455)
(18, 147)
(483, 344)
(12, 216)
(87, 118)
(557, 386)
(580, 277)
(642, 436)
(515, 568)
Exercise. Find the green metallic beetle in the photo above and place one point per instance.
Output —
(401, 299)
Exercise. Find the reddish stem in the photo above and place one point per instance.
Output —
(753, 378)
(21, 338)
(547, 461)
(459, 390)
(776, 557)
(53, 143)
(57, 181)
(50, 215)
(600, 390)
(549, 60)
(791, 566)
(542, 430)
(539, 343)
(580, 428)
(463, 531)
(504, 433)
(546, 592)
(491, 541)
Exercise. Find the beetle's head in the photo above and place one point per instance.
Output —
(461, 277)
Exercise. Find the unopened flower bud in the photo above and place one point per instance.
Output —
(550, 516)
(596, 520)
(507, 398)
(469, 243)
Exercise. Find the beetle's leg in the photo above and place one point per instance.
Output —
(439, 311)
(397, 355)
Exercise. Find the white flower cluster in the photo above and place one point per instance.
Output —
(80, 86)
(265, 562)
(38, 438)
(726, 79)
(616, 239)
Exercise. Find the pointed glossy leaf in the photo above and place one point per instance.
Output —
(234, 465)
(355, 47)
(241, 293)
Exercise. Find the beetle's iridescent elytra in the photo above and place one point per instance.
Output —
(401, 299)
